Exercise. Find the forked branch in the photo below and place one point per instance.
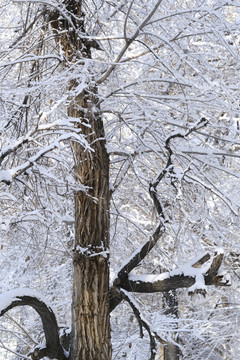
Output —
(193, 276)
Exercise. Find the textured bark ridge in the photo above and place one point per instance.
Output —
(90, 308)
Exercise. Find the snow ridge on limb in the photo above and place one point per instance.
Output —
(192, 275)
(195, 277)
(21, 297)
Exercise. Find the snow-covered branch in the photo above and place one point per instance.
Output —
(184, 277)
(7, 176)
(193, 276)
(22, 297)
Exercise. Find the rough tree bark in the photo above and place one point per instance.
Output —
(90, 308)
(90, 302)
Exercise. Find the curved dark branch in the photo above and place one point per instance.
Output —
(142, 252)
(53, 349)
(169, 168)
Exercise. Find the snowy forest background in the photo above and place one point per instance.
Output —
(169, 95)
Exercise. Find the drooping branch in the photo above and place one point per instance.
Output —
(26, 297)
(143, 324)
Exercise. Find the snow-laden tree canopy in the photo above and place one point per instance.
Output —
(165, 78)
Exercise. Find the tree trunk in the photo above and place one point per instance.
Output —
(90, 307)
(90, 304)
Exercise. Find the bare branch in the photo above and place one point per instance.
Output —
(201, 261)
(128, 43)
(21, 327)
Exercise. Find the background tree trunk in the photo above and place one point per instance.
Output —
(170, 303)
